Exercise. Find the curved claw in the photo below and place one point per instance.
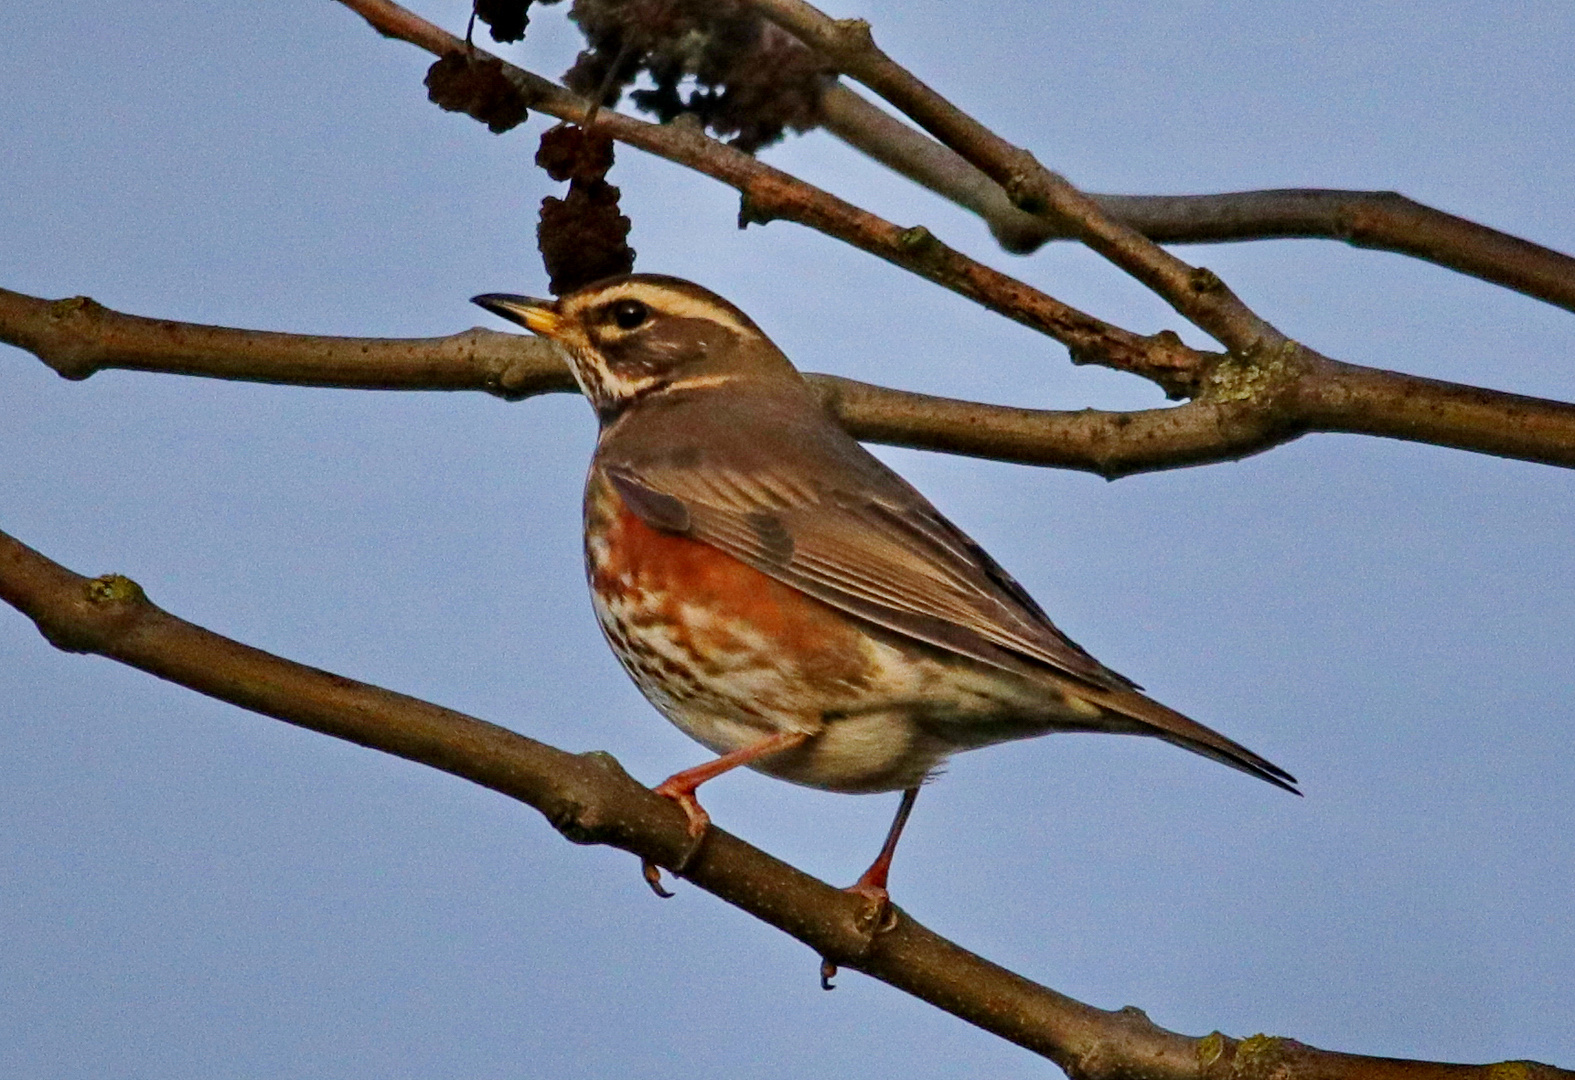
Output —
(653, 878)
(699, 822)
(878, 917)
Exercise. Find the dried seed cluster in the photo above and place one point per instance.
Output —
(744, 78)
(582, 237)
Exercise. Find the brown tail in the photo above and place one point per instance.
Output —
(1161, 722)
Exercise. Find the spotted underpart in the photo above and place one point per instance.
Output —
(731, 655)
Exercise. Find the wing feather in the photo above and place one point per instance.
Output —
(900, 565)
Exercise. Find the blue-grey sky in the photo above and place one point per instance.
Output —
(188, 890)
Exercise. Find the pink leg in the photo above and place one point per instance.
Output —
(680, 787)
(873, 882)
(878, 916)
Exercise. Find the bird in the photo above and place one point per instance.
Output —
(784, 597)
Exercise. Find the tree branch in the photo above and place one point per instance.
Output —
(78, 337)
(1241, 409)
(879, 135)
(769, 194)
(1381, 220)
(591, 800)
(1255, 385)
(1197, 293)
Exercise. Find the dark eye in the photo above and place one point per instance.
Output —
(629, 313)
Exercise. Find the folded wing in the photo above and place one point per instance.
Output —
(886, 555)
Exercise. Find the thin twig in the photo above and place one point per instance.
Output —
(591, 800)
(1381, 220)
(909, 152)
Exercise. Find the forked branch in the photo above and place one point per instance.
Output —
(770, 194)
(1381, 220)
(1197, 293)
(1267, 391)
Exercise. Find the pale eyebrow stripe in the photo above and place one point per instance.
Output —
(670, 302)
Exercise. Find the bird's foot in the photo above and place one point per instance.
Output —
(683, 794)
(875, 918)
(699, 821)
(878, 915)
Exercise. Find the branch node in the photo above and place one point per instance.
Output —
(1204, 280)
(1236, 380)
(1522, 1069)
(752, 212)
(106, 606)
(75, 358)
(1024, 186)
(920, 242)
(1210, 1049)
(114, 589)
(1260, 1055)
(72, 305)
(569, 817)
(1253, 377)
(852, 36)
(1178, 368)
(585, 814)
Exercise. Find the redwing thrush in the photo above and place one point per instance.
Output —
(782, 596)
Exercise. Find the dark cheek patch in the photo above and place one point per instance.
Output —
(625, 354)
(672, 342)
(691, 339)
(660, 347)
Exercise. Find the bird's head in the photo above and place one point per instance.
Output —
(635, 336)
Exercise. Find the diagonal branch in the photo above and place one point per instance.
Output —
(1381, 220)
(1195, 292)
(1254, 399)
(591, 800)
(768, 194)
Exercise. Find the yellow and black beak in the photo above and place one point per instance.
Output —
(537, 316)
